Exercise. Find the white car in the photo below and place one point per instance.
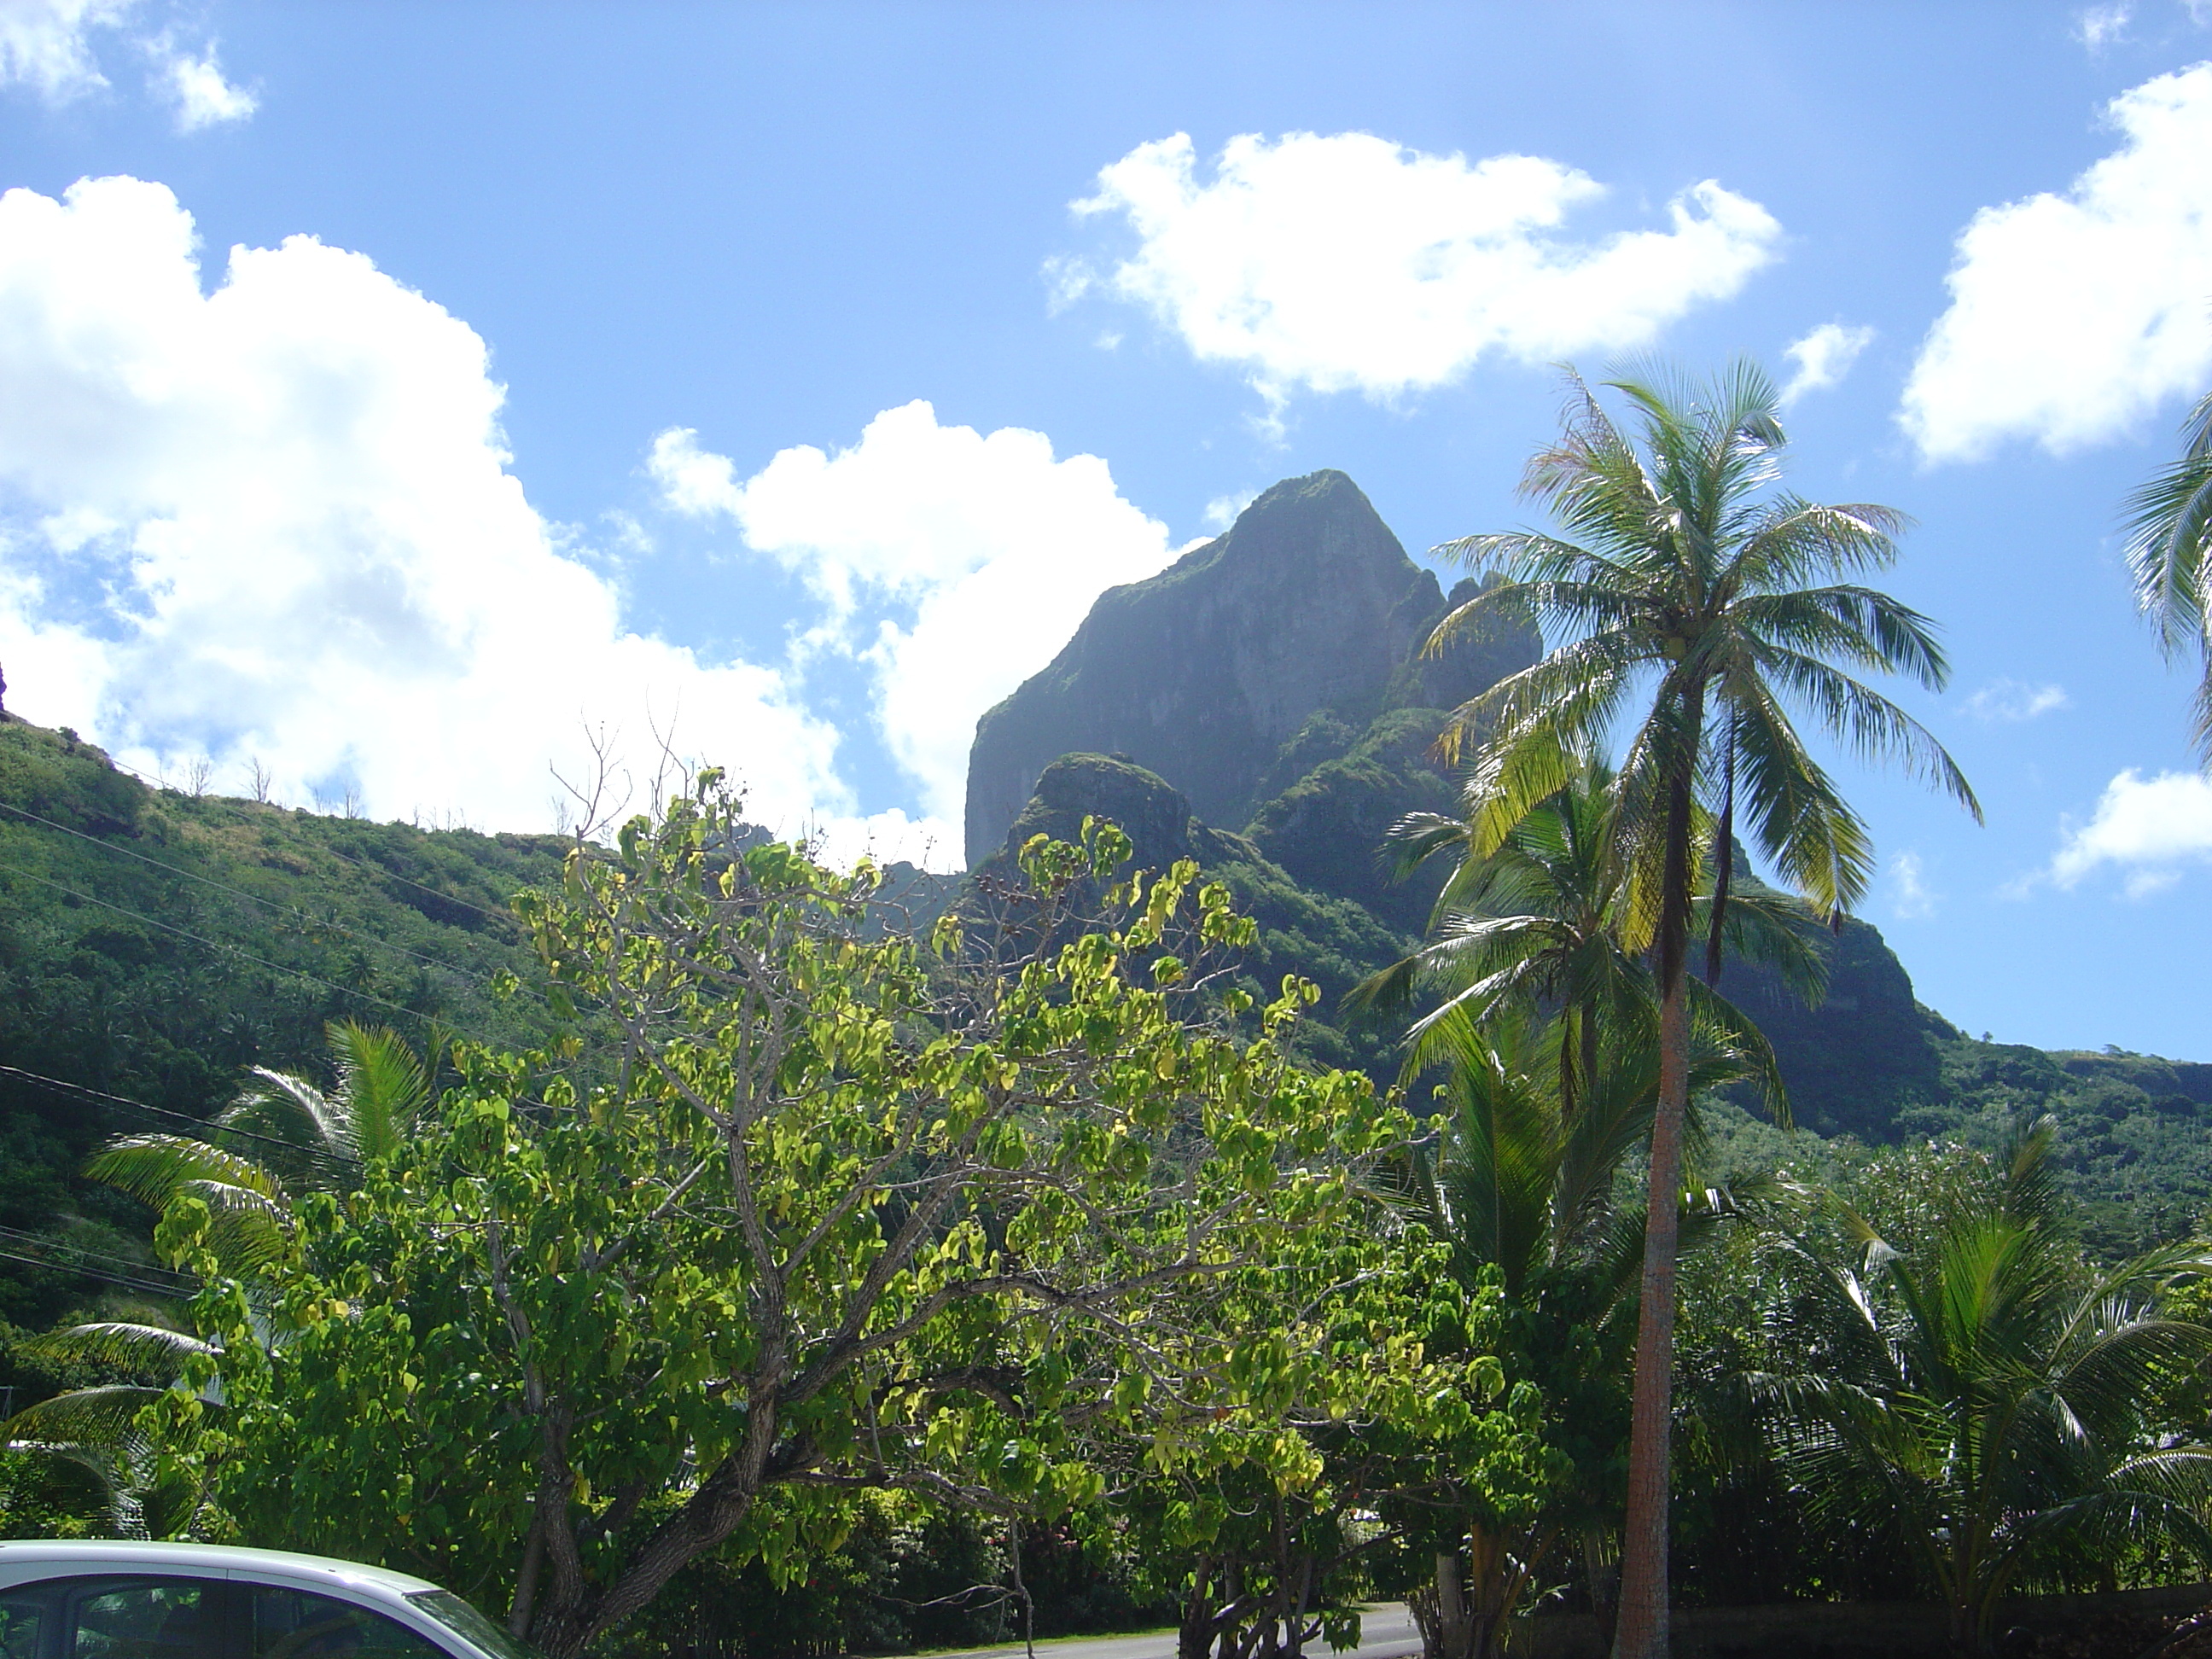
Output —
(115, 1599)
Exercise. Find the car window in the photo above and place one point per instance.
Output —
(291, 1624)
(455, 1615)
(26, 1616)
(147, 1619)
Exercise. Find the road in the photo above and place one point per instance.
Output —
(1386, 1631)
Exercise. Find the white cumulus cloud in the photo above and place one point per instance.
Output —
(2012, 700)
(273, 518)
(48, 45)
(196, 88)
(2074, 316)
(1823, 357)
(1221, 512)
(2149, 828)
(1346, 262)
(953, 563)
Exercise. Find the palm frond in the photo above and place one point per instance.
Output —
(153, 1169)
(100, 1418)
(145, 1350)
(2169, 546)
(1869, 721)
(382, 1085)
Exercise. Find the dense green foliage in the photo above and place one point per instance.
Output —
(1966, 1393)
(2131, 1132)
(1872, 1376)
(979, 1221)
(154, 945)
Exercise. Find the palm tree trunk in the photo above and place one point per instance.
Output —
(1723, 864)
(1642, 1632)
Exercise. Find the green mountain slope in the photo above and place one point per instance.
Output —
(153, 945)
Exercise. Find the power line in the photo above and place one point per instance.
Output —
(18, 1235)
(344, 858)
(186, 1118)
(143, 1286)
(217, 944)
(252, 898)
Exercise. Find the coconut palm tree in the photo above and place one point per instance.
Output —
(301, 1138)
(130, 1491)
(1523, 1189)
(305, 1139)
(2170, 555)
(1979, 1397)
(1697, 603)
(1553, 918)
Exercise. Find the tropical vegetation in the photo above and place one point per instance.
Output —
(2170, 556)
(671, 1241)
(1693, 583)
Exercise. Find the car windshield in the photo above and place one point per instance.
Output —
(464, 1621)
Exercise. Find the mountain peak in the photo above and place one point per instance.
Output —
(1202, 673)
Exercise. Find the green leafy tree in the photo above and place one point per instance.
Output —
(839, 1210)
(1976, 1397)
(2170, 556)
(1353, 1405)
(1697, 603)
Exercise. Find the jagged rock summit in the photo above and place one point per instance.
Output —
(1201, 673)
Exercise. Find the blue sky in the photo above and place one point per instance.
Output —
(753, 373)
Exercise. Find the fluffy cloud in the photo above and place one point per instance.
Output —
(48, 46)
(196, 88)
(2072, 317)
(1221, 512)
(1347, 262)
(986, 550)
(2149, 828)
(274, 520)
(2011, 701)
(1823, 357)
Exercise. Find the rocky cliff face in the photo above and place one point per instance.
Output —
(1205, 672)
(1269, 682)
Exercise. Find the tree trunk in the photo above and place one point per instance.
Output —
(526, 1584)
(1642, 1632)
(1194, 1635)
(1455, 1637)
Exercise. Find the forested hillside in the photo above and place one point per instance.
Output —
(155, 944)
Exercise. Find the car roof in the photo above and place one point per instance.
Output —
(134, 1555)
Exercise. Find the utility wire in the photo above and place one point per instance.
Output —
(143, 1286)
(185, 1118)
(217, 944)
(254, 898)
(344, 858)
(17, 1236)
